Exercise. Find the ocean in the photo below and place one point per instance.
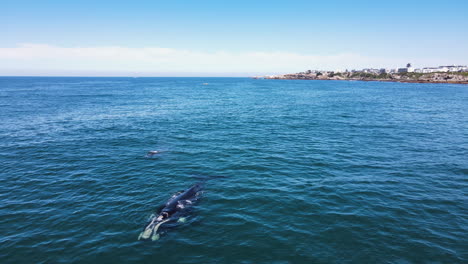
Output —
(312, 171)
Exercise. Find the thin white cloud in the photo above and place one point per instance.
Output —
(45, 59)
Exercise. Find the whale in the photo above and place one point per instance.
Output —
(175, 210)
(152, 153)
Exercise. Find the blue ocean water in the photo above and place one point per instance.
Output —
(316, 171)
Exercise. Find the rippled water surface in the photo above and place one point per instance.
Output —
(316, 171)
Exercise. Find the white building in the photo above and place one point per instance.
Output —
(407, 69)
(430, 69)
(452, 68)
(371, 70)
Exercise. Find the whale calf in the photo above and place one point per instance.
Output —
(175, 210)
(152, 153)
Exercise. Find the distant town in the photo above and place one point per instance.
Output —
(440, 74)
(409, 68)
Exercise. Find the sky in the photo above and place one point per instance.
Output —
(226, 38)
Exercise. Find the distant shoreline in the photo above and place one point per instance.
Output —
(374, 80)
(407, 77)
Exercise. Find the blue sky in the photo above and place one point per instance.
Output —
(184, 37)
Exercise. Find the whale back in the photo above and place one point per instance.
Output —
(188, 194)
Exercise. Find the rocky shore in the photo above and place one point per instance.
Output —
(409, 77)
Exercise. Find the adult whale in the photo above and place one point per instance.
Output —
(173, 211)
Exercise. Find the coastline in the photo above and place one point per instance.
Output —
(407, 77)
(371, 80)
